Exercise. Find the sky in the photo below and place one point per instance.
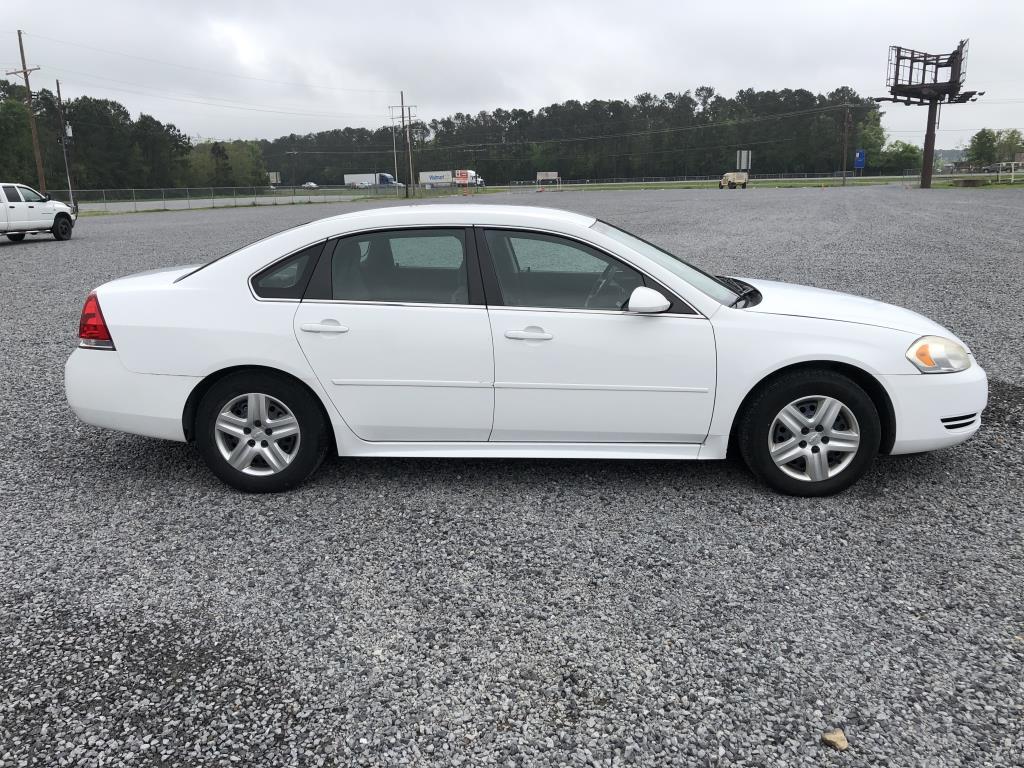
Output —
(258, 69)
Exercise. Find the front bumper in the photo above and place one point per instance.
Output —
(921, 402)
(102, 392)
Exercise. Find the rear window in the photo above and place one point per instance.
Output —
(287, 279)
(11, 193)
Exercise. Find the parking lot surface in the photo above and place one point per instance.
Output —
(444, 612)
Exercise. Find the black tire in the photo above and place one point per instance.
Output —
(743, 185)
(757, 423)
(731, 185)
(16, 237)
(721, 185)
(62, 228)
(312, 441)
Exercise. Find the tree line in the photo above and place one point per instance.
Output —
(678, 134)
(110, 150)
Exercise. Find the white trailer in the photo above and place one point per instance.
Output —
(378, 179)
(459, 178)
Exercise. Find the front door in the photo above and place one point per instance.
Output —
(571, 365)
(39, 210)
(401, 345)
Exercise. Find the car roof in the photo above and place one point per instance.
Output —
(460, 215)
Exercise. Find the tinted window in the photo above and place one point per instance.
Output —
(537, 270)
(421, 266)
(30, 195)
(287, 279)
(11, 193)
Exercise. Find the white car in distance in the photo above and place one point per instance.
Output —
(24, 211)
(505, 331)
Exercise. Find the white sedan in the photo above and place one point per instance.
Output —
(505, 331)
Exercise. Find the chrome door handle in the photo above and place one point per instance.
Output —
(532, 333)
(327, 326)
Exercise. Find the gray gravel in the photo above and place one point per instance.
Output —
(522, 612)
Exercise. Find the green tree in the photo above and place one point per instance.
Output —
(982, 149)
(1009, 143)
(16, 160)
(900, 156)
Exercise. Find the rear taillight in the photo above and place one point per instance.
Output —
(92, 328)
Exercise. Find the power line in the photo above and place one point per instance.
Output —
(231, 106)
(210, 71)
(600, 137)
(652, 132)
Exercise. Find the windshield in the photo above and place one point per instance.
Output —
(700, 280)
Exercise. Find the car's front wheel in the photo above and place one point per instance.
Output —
(62, 228)
(16, 237)
(260, 433)
(810, 433)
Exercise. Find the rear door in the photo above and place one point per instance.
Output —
(17, 209)
(395, 327)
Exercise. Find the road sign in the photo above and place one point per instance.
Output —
(742, 159)
(859, 158)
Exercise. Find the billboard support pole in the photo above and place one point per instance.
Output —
(928, 161)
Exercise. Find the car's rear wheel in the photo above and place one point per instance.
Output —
(62, 228)
(16, 237)
(810, 433)
(260, 433)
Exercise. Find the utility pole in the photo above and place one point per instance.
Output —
(65, 134)
(394, 144)
(394, 141)
(408, 140)
(408, 127)
(31, 115)
(846, 139)
(401, 106)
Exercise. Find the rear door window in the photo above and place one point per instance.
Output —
(424, 266)
(11, 193)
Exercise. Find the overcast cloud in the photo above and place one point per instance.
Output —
(343, 63)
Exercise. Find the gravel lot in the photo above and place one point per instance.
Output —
(522, 612)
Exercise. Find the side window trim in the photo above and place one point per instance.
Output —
(320, 288)
(493, 290)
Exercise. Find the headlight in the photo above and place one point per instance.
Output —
(934, 354)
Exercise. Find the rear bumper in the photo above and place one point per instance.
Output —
(102, 392)
(922, 401)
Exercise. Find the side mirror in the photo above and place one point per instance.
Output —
(647, 301)
(46, 198)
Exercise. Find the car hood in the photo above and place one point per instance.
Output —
(803, 301)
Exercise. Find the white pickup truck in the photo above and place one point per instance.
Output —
(23, 211)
